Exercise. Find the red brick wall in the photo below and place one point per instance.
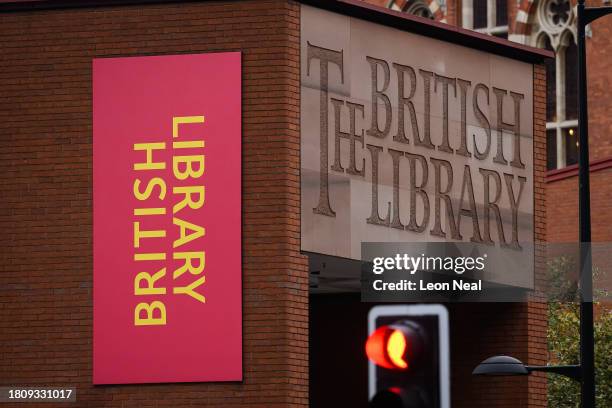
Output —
(536, 322)
(46, 194)
(453, 13)
(513, 7)
(564, 193)
(562, 189)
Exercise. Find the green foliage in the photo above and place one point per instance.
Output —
(564, 345)
(562, 286)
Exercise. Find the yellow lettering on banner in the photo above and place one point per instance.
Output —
(150, 289)
(190, 290)
(150, 211)
(187, 200)
(192, 144)
(184, 166)
(187, 257)
(150, 320)
(185, 238)
(158, 256)
(149, 148)
(138, 234)
(184, 119)
(155, 181)
(189, 170)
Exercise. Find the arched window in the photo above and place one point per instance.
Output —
(553, 29)
(419, 8)
(431, 9)
(486, 16)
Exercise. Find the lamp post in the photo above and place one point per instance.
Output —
(586, 15)
(585, 372)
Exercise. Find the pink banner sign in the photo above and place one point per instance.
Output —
(167, 219)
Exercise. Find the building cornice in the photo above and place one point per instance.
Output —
(572, 171)
(353, 8)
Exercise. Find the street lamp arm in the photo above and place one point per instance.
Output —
(571, 371)
(593, 13)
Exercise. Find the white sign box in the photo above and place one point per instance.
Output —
(405, 138)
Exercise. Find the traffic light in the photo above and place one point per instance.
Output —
(408, 352)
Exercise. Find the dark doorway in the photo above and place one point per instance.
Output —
(338, 364)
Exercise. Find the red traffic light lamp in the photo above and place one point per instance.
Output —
(396, 346)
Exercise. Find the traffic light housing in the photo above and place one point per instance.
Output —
(408, 352)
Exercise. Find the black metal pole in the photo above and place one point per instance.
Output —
(587, 344)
